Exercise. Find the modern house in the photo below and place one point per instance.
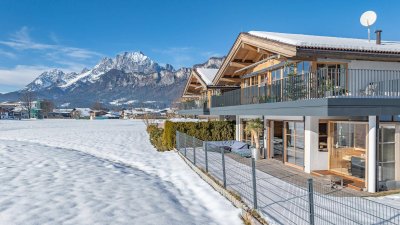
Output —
(329, 105)
(199, 89)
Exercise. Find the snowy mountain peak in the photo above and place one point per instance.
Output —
(84, 70)
(46, 79)
(130, 75)
(132, 56)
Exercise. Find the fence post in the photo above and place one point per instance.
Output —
(194, 150)
(223, 166)
(185, 137)
(311, 200)
(205, 152)
(253, 173)
(177, 137)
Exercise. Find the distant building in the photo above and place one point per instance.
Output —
(61, 113)
(81, 113)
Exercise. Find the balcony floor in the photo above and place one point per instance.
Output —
(349, 106)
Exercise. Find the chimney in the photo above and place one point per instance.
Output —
(378, 36)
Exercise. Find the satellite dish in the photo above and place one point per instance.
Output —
(367, 19)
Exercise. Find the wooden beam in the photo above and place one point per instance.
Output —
(262, 51)
(239, 65)
(245, 56)
(258, 63)
(233, 80)
(249, 47)
(259, 57)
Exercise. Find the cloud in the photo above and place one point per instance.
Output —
(54, 37)
(22, 41)
(21, 75)
(8, 54)
(41, 56)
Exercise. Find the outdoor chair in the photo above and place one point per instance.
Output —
(369, 90)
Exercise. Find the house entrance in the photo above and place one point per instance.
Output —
(277, 140)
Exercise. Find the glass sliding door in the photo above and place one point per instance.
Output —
(387, 158)
(294, 143)
(347, 152)
(277, 140)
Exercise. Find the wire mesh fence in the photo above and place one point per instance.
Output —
(280, 197)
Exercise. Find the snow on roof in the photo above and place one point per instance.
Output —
(62, 110)
(84, 111)
(207, 74)
(312, 41)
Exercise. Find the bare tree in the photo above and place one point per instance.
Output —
(148, 119)
(97, 106)
(47, 107)
(27, 99)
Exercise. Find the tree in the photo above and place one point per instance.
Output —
(46, 106)
(97, 106)
(254, 127)
(295, 87)
(148, 118)
(27, 99)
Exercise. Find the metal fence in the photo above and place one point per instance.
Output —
(279, 197)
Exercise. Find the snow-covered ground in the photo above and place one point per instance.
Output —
(99, 172)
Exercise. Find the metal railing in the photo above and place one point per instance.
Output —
(323, 83)
(282, 198)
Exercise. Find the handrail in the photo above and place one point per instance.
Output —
(323, 83)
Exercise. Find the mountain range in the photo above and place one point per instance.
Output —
(130, 78)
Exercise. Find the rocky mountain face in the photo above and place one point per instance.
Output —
(131, 78)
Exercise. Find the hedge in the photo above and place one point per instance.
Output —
(206, 131)
(156, 134)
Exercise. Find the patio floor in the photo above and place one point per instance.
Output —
(295, 176)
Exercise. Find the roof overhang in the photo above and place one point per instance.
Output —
(194, 84)
(248, 50)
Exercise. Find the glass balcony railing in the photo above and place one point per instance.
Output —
(324, 83)
(193, 104)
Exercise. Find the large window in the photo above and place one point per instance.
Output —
(303, 67)
(332, 75)
(348, 149)
(276, 74)
(386, 158)
(295, 143)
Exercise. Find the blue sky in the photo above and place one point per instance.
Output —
(73, 34)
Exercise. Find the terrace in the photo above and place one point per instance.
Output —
(322, 92)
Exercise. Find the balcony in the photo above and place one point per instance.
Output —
(194, 107)
(324, 92)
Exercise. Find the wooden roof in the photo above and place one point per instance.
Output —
(249, 49)
(194, 85)
(246, 51)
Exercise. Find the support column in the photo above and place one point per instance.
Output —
(310, 143)
(265, 138)
(371, 154)
(237, 128)
(397, 154)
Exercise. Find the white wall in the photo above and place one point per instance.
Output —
(313, 159)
